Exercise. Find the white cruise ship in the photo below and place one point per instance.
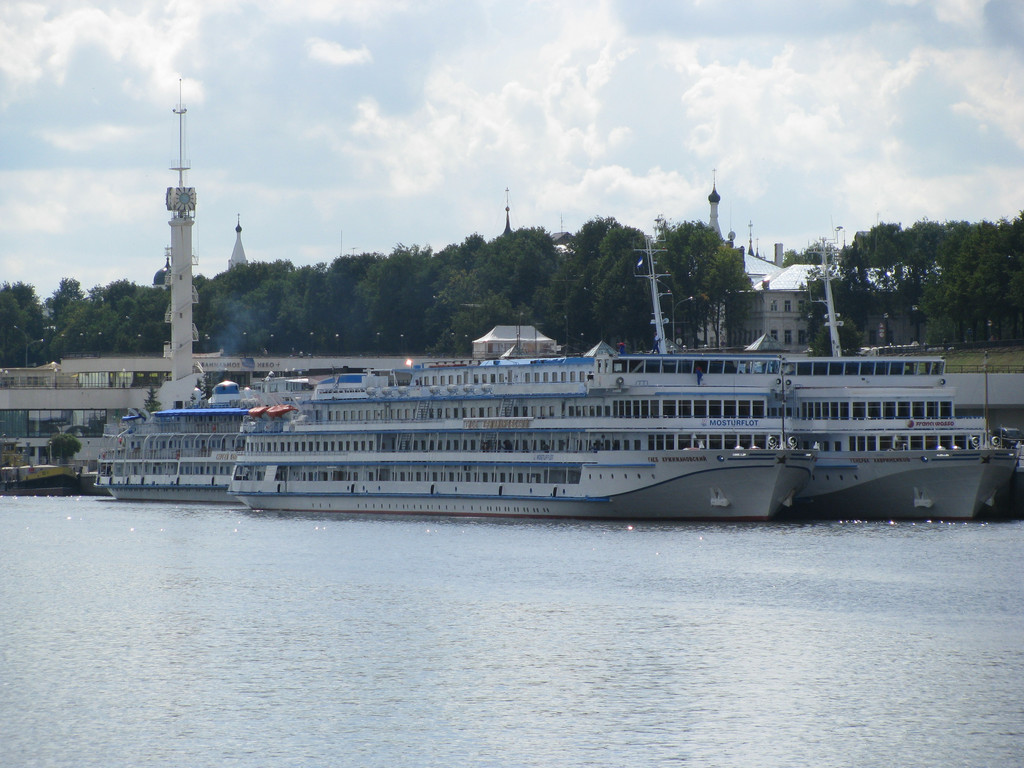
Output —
(187, 454)
(653, 437)
(890, 444)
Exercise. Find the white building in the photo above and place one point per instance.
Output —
(513, 340)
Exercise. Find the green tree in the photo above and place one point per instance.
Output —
(696, 283)
(152, 404)
(571, 290)
(64, 446)
(621, 299)
(727, 287)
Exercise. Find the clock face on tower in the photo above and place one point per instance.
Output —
(181, 198)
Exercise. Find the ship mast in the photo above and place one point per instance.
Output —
(831, 318)
(647, 263)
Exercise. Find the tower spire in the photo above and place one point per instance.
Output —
(238, 254)
(508, 223)
(714, 198)
(183, 165)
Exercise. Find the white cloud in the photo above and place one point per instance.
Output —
(328, 52)
(60, 200)
(40, 43)
(992, 84)
(88, 138)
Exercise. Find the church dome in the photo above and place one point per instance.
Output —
(160, 278)
(714, 197)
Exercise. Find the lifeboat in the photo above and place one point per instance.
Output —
(258, 411)
(277, 411)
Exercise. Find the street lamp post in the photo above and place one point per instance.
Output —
(674, 308)
(28, 342)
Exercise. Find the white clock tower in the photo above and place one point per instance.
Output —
(181, 201)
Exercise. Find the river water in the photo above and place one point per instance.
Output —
(172, 635)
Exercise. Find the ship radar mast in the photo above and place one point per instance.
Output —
(828, 255)
(647, 268)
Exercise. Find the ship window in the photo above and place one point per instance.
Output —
(918, 410)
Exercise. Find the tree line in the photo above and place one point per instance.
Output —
(961, 281)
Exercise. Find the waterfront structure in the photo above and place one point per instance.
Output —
(181, 202)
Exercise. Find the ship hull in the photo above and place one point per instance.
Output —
(905, 485)
(213, 494)
(697, 485)
(40, 481)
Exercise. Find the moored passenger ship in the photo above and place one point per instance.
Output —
(890, 444)
(187, 454)
(653, 437)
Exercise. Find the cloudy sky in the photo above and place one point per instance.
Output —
(336, 126)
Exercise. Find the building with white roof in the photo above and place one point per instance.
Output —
(778, 308)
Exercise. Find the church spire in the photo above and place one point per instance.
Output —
(238, 254)
(508, 223)
(714, 198)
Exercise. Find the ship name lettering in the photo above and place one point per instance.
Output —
(507, 423)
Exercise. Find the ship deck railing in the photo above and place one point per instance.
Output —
(169, 454)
